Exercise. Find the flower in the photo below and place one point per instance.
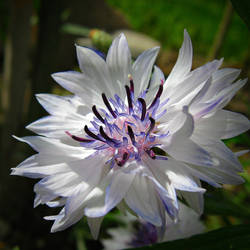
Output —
(133, 140)
(132, 235)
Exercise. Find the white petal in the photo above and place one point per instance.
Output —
(142, 69)
(222, 125)
(80, 85)
(242, 152)
(188, 225)
(60, 105)
(196, 78)
(197, 99)
(119, 64)
(207, 129)
(95, 68)
(221, 176)
(94, 225)
(142, 199)
(228, 93)
(155, 81)
(62, 222)
(56, 126)
(96, 198)
(169, 199)
(220, 150)
(60, 202)
(188, 126)
(115, 192)
(221, 79)
(164, 187)
(172, 121)
(194, 200)
(33, 169)
(54, 147)
(235, 123)
(182, 148)
(74, 208)
(187, 151)
(184, 62)
(174, 173)
(54, 184)
(43, 198)
(201, 175)
(225, 75)
(219, 101)
(157, 77)
(177, 122)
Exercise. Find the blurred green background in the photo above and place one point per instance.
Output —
(37, 38)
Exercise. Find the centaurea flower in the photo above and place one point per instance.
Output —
(130, 139)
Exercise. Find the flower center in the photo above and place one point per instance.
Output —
(125, 131)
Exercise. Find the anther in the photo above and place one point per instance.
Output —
(88, 132)
(131, 135)
(106, 102)
(130, 105)
(105, 136)
(158, 94)
(97, 114)
(132, 89)
(144, 108)
(76, 138)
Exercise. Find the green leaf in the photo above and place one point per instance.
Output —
(242, 7)
(233, 238)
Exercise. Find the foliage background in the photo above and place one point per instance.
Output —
(32, 46)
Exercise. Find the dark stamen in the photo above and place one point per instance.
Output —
(158, 94)
(132, 89)
(130, 105)
(106, 102)
(144, 108)
(76, 138)
(124, 159)
(152, 125)
(131, 134)
(86, 129)
(97, 114)
(104, 135)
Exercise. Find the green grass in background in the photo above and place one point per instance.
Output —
(165, 20)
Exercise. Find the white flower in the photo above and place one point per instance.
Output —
(103, 147)
(131, 235)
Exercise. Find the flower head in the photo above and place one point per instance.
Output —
(131, 139)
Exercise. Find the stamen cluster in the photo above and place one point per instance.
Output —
(126, 132)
